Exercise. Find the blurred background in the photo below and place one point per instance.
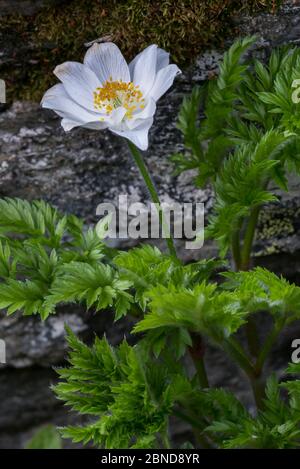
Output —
(78, 170)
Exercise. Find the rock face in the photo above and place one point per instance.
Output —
(23, 7)
(77, 171)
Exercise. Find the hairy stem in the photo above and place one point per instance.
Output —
(153, 193)
(249, 237)
(269, 342)
(197, 428)
(187, 418)
(236, 250)
(252, 336)
(165, 439)
(234, 349)
(258, 387)
(257, 381)
(201, 372)
(251, 328)
(197, 351)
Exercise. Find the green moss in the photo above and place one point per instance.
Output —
(57, 34)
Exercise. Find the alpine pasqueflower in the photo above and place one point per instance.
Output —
(105, 92)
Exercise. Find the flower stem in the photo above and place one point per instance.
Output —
(252, 336)
(242, 259)
(197, 351)
(201, 372)
(251, 328)
(234, 349)
(271, 338)
(236, 252)
(258, 387)
(249, 237)
(195, 422)
(153, 193)
(165, 439)
(197, 428)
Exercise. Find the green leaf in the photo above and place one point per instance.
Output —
(110, 384)
(240, 186)
(97, 285)
(45, 438)
(200, 309)
(28, 296)
(260, 289)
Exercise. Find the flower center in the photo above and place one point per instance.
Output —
(118, 93)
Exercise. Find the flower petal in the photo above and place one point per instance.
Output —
(161, 61)
(103, 122)
(145, 69)
(114, 119)
(68, 124)
(74, 115)
(56, 98)
(106, 60)
(138, 136)
(79, 82)
(139, 116)
(164, 79)
(116, 116)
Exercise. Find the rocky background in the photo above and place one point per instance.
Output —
(77, 171)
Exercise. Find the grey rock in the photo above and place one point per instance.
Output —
(30, 343)
(23, 7)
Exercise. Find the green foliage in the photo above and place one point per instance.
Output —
(37, 219)
(249, 135)
(200, 309)
(218, 312)
(278, 98)
(277, 426)
(25, 295)
(47, 259)
(188, 123)
(261, 289)
(223, 92)
(111, 383)
(131, 400)
(207, 144)
(247, 138)
(239, 187)
(147, 267)
(293, 386)
(99, 286)
(46, 437)
(7, 266)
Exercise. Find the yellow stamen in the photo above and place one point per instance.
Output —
(118, 93)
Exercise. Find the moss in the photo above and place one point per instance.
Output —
(58, 33)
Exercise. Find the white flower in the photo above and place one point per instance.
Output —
(104, 92)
